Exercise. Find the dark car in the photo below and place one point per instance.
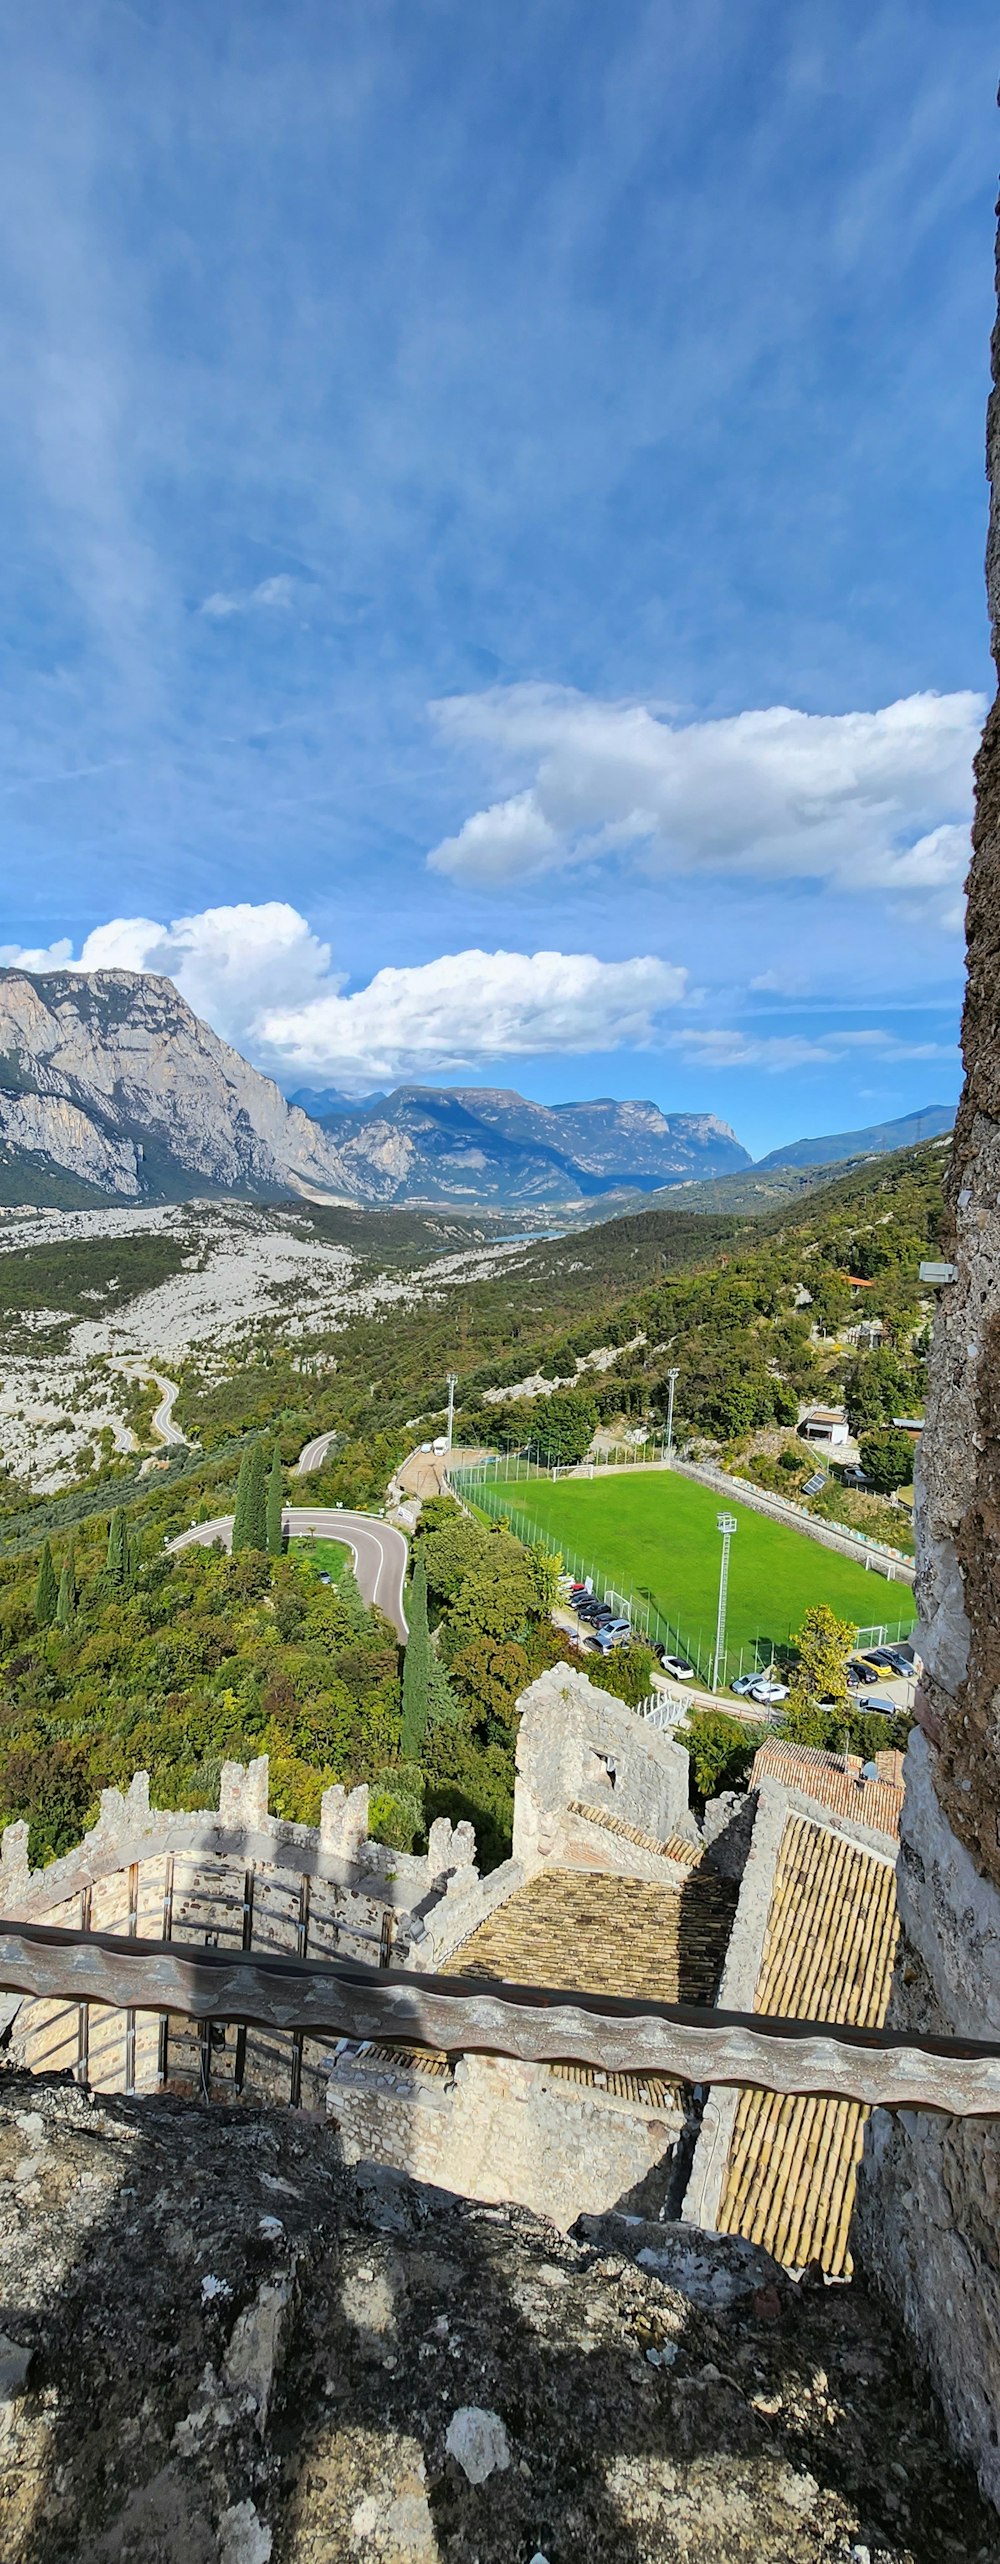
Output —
(591, 1609)
(860, 1671)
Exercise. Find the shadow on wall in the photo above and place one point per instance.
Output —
(222, 2348)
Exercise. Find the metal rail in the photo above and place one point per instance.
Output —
(344, 1998)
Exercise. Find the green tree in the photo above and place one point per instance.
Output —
(119, 1547)
(562, 1426)
(416, 1663)
(720, 1748)
(46, 1590)
(873, 1386)
(66, 1603)
(824, 1647)
(257, 1500)
(887, 1460)
(274, 1503)
(241, 1509)
(250, 1516)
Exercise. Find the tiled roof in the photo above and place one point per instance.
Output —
(828, 1952)
(595, 1933)
(676, 1848)
(823, 1777)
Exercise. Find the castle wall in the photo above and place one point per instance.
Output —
(234, 1877)
(928, 2217)
(579, 1748)
(489, 2128)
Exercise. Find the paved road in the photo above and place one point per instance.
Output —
(379, 1550)
(313, 1455)
(162, 1418)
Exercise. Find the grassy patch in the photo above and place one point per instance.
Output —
(655, 1534)
(329, 1557)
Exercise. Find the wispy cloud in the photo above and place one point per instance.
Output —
(279, 591)
(779, 1052)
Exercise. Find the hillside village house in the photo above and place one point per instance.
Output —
(828, 1425)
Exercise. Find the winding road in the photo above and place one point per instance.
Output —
(379, 1550)
(313, 1455)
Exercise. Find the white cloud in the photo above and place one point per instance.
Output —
(266, 982)
(447, 1014)
(861, 800)
(58, 956)
(512, 838)
(778, 1052)
(277, 591)
(229, 963)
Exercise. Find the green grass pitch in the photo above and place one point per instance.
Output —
(655, 1530)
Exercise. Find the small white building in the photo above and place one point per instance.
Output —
(825, 1424)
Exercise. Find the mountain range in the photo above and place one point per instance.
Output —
(111, 1088)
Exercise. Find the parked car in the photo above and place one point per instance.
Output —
(678, 1666)
(860, 1671)
(882, 1708)
(593, 1610)
(612, 1633)
(743, 1684)
(767, 1692)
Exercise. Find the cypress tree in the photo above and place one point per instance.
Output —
(416, 1664)
(274, 1500)
(119, 1550)
(66, 1604)
(240, 1540)
(46, 1590)
(257, 1500)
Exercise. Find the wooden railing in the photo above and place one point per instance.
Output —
(344, 1998)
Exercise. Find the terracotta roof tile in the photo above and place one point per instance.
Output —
(596, 1933)
(828, 1953)
(823, 1777)
(676, 1848)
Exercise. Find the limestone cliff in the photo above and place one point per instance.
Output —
(109, 1076)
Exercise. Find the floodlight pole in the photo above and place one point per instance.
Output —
(673, 1377)
(452, 1386)
(727, 1525)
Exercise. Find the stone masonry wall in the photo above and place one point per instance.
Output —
(237, 1877)
(928, 2216)
(495, 2130)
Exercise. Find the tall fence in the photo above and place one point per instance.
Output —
(486, 1486)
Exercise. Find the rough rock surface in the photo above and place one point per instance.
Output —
(220, 2347)
(109, 1075)
(929, 2194)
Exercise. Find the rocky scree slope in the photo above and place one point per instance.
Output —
(220, 2346)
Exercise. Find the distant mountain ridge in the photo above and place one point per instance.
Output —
(110, 1085)
(878, 1141)
(468, 1145)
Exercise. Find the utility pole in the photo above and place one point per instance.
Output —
(727, 1525)
(452, 1386)
(673, 1377)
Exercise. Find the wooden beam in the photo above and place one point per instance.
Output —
(342, 1998)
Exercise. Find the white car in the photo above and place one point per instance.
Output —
(680, 1669)
(767, 1692)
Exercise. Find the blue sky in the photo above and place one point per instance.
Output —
(493, 511)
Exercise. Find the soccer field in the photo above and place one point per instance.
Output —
(652, 1534)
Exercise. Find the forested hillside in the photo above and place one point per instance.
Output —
(110, 1660)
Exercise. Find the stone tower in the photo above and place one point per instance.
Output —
(929, 2202)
